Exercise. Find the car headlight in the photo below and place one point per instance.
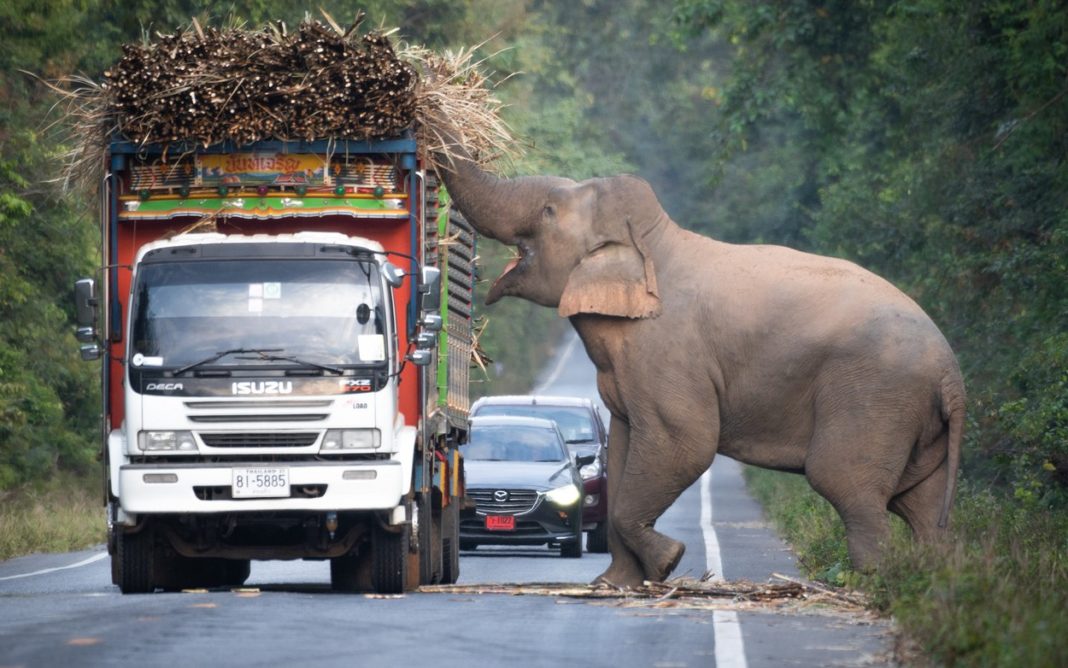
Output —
(351, 439)
(564, 496)
(166, 441)
(591, 470)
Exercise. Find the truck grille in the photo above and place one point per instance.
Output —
(279, 440)
(514, 502)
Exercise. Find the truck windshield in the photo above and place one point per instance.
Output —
(323, 311)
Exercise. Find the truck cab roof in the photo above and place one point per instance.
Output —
(216, 238)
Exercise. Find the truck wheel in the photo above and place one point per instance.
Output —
(450, 543)
(135, 553)
(429, 541)
(389, 555)
(597, 539)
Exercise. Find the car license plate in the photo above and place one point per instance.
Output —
(500, 522)
(259, 483)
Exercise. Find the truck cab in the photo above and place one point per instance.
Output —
(285, 373)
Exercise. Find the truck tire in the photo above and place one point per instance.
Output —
(429, 541)
(135, 553)
(450, 543)
(389, 559)
(597, 538)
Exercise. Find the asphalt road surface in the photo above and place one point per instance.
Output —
(61, 609)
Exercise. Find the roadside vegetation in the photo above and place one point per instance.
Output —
(993, 595)
(61, 514)
(925, 139)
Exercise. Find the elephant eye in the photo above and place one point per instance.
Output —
(550, 210)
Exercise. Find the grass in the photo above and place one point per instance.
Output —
(60, 515)
(995, 594)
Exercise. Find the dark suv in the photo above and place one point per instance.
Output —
(584, 432)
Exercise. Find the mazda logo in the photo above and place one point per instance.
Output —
(500, 496)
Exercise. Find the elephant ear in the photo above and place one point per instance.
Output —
(616, 278)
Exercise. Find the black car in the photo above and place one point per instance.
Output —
(525, 485)
(584, 433)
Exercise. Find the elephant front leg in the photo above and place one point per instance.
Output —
(661, 464)
(625, 569)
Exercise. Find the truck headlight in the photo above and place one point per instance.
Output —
(591, 470)
(166, 441)
(351, 439)
(564, 496)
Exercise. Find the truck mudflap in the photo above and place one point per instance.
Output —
(313, 486)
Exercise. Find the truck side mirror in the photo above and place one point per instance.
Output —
(430, 289)
(85, 303)
(394, 276)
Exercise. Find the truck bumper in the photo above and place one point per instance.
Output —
(376, 485)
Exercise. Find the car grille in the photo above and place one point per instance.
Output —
(254, 440)
(517, 501)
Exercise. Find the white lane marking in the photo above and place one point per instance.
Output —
(83, 562)
(715, 562)
(730, 650)
(559, 368)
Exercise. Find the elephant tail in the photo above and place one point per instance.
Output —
(953, 412)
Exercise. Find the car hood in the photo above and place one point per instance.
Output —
(528, 475)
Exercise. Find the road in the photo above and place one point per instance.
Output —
(61, 610)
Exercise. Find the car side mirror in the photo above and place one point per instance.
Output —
(429, 289)
(583, 460)
(394, 275)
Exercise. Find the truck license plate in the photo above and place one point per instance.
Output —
(260, 483)
(500, 522)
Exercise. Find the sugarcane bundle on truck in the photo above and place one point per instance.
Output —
(284, 308)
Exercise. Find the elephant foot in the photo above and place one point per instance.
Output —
(666, 560)
(620, 577)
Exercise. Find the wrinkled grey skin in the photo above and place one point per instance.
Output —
(773, 357)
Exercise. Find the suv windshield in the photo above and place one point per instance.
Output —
(575, 422)
(514, 444)
(323, 311)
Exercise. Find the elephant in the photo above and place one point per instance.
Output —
(771, 356)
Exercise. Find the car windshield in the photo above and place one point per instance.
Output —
(574, 421)
(324, 311)
(514, 444)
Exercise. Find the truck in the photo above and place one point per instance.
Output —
(285, 330)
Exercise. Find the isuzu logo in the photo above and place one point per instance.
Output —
(500, 496)
(263, 387)
(167, 387)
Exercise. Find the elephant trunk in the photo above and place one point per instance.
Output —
(502, 209)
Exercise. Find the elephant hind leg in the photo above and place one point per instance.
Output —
(858, 483)
(921, 505)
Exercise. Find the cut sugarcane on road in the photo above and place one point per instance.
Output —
(61, 609)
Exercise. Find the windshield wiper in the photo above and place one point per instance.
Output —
(221, 354)
(263, 355)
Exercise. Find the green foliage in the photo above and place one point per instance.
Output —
(994, 594)
(57, 515)
(926, 140)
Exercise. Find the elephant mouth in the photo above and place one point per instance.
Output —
(511, 271)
